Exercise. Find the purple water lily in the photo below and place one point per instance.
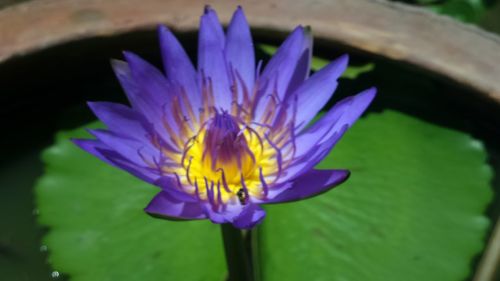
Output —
(221, 140)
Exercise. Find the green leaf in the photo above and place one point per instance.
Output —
(470, 11)
(99, 231)
(412, 209)
(463, 10)
(352, 72)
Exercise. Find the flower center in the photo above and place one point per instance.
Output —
(226, 160)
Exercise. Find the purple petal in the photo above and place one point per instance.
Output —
(291, 61)
(317, 141)
(304, 163)
(93, 147)
(111, 157)
(344, 113)
(239, 49)
(286, 58)
(173, 202)
(125, 121)
(172, 187)
(152, 88)
(121, 119)
(214, 24)
(311, 183)
(164, 205)
(135, 151)
(315, 92)
(129, 85)
(303, 67)
(211, 61)
(276, 190)
(241, 216)
(224, 215)
(147, 90)
(178, 67)
(214, 216)
(251, 215)
(156, 96)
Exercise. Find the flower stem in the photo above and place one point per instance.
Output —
(254, 250)
(240, 247)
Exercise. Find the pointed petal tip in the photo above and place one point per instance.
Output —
(344, 59)
(239, 10)
(210, 20)
(162, 28)
(82, 143)
(90, 131)
(96, 106)
(164, 33)
(339, 65)
(151, 211)
(129, 55)
(299, 28)
(97, 133)
(171, 207)
(117, 62)
(93, 105)
(239, 13)
(311, 183)
(346, 174)
(208, 10)
(118, 66)
(90, 145)
(102, 108)
(369, 93)
(148, 210)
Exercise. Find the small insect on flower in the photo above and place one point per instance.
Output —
(222, 139)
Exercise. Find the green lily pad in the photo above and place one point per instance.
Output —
(412, 210)
(470, 11)
(99, 231)
(463, 10)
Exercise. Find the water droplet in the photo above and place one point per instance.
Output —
(55, 274)
(475, 144)
(43, 248)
